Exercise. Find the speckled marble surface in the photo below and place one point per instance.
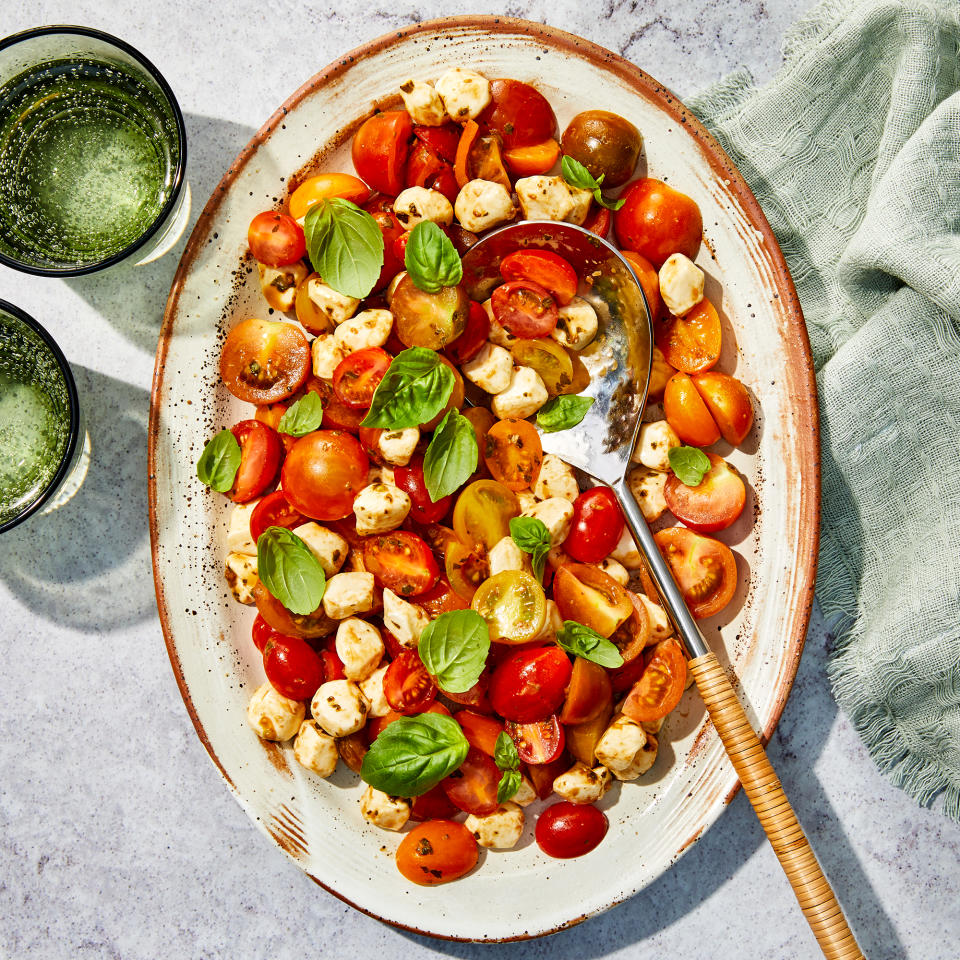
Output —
(117, 836)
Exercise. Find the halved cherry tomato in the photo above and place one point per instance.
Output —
(380, 150)
(530, 685)
(472, 787)
(441, 140)
(481, 732)
(566, 830)
(428, 319)
(336, 414)
(538, 742)
(466, 568)
(261, 451)
(292, 667)
(437, 851)
(422, 164)
(596, 526)
(649, 281)
(657, 221)
(589, 596)
(407, 686)
(410, 480)
(660, 374)
(358, 375)
(460, 167)
(513, 604)
(262, 632)
(633, 634)
(692, 342)
(376, 725)
(520, 113)
(327, 186)
(369, 438)
(623, 678)
(474, 336)
(483, 512)
(432, 805)
(542, 775)
(264, 361)
(687, 413)
(524, 308)
(400, 561)
(728, 402)
(323, 473)
(549, 359)
(545, 268)
(391, 229)
(598, 221)
(445, 182)
(307, 626)
(704, 568)
(486, 162)
(332, 664)
(276, 239)
(274, 510)
(441, 598)
(660, 687)
(461, 239)
(589, 693)
(513, 453)
(455, 399)
(271, 414)
(714, 503)
(476, 697)
(532, 160)
(582, 738)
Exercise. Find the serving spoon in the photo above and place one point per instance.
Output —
(601, 446)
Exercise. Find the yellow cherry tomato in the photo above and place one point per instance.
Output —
(483, 512)
(513, 604)
(549, 359)
(326, 186)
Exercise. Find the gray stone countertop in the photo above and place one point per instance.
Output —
(118, 837)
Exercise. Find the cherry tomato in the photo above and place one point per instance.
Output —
(462, 160)
(323, 473)
(486, 161)
(542, 775)
(380, 150)
(607, 144)
(520, 114)
(728, 402)
(422, 165)
(445, 182)
(264, 361)
(474, 336)
(481, 732)
(598, 220)
(400, 561)
(466, 568)
(589, 596)
(428, 319)
(657, 221)
(483, 512)
(713, 504)
(472, 787)
(566, 829)
(538, 742)
(596, 526)
(476, 697)
(524, 308)
(262, 633)
(544, 268)
(687, 413)
(377, 725)
(305, 626)
(441, 140)
(530, 685)
(661, 684)
(292, 667)
(327, 186)
(704, 568)
(410, 480)
(432, 805)
(369, 438)
(513, 604)
(392, 230)
(633, 634)
(332, 664)
(481, 419)
(274, 510)
(692, 342)
(461, 239)
(582, 738)
(589, 692)
(513, 453)
(532, 160)
(549, 359)
(336, 414)
(660, 374)
(261, 451)
(441, 598)
(649, 281)
(358, 375)
(276, 239)
(407, 685)
(455, 400)
(436, 852)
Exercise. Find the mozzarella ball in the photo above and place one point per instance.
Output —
(397, 446)
(369, 328)
(327, 352)
(384, 811)
(335, 306)
(272, 715)
(616, 570)
(499, 830)
(491, 369)
(681, 284)
(654, 444)
(465, 93)
(556, 479)
(423, 103)
(328, 547)
(315, 750)
(482, 204)
(339, 707)
(380, 507)
(644, 759)
(525, 795)
(499, 334)
(552, 198)
(506, 555)
(660, 625)
(239, 539)
(372, 689)
(279, 284)
(556, 514)
(416, 204)
(523, 397)
(626, 551)
(647, 487)
(347, 594)
(359, 647)
(241, 574)
(620, 743)
(404, 620)
(581, 784)
(577, 324)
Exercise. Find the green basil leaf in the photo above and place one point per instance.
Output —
(505, 754)
(451, 455)
(532, 536)
(454, 649)
(415, 388)
(508, 786)
(431, 259)
(288, 568)
(302, 417)
(563, 412)
(581, 641)
(345, 246)
(689, 464)
(577, 175)
(604, 202)
(413, 754)
(219, 462)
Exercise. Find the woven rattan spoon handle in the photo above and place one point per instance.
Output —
(762, 787)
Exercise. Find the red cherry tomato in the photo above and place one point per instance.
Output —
(323, 473)
(292, 667)
(598, 221)
(476, 697)
(445, 182)
(262, 632)
(525, 309)
(538, 742)
(441, 140)
(481, 731)
(358, 375)
(474, 336)
(714, 503)
(566, 830)
(407, 685)
(380, 150)
(264, 361)
(401, 561)
(472, 787)
(432, 805)
(657, 221)
(530, 685)
(422, 165)
(520, 114)
(336, 414)
(261, 451)
(596, 526)
(381, 209)
(661, 684)
(276, 239)
(436, 852)
(410, 480)
(307, 626)
(704, 568)
(542, 267)
(273, 510)
(332, 664)
(441, 598)
(542, 775)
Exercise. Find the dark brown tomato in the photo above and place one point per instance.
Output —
(605, 143)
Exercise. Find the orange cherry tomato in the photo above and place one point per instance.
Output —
(691, 343)
(407, 685)
(376, 725)
(472, 787)
(276, 239)
(307, 626)
(481, 732)
(661, 684)
(582, 738)
(542, 267)
(660, 374)
(460, 167)
(436, 852)
(728, 402)
(524, 308)
(323, 473)
(441, 598)
(542, 775)
(261, 451)
(634, 633)
(264, 361)
(513, 453)
(400, 561)
(589, 693)
(586, 594)
(486, 161)
(466, 568)
(532, 160)
(657, 221)
(538, 742)
(327, 186)
(336, 414)
(714, 503)
(380, 150)
(358, 375)
(704, 568)
(649, 281)
(482, 420)
(687, 413)
(520, 113)
(308, 313)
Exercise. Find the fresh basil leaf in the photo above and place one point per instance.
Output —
(415, 388)
(505, 754)
(581, 641)
(532, 536)
(454, 649)
(451, 455)
(577, 175)
(345, 246)
(302, 417)
(689, 464)
(288, 568)
(431, 260)
(604, 202)
(413, 754)
(563, 412)
(508, 786)
(219, 462)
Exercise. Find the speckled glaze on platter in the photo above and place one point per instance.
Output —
(519, 893)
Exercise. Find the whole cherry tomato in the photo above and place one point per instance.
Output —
(292, 667)
(436, 852)
(530, 685)
(566, 830)
(657, 221)
(380, 149)
(323, 473)
(596, 526)
(261, 451)
(728, 402)
(276, 239)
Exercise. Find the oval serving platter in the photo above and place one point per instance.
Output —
(653, 820)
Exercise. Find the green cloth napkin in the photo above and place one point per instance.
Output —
(854, 154)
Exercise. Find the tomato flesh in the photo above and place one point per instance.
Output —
(264, 361)
(292, 667)
(691, 343)
(441, 140)
(380, 150)
(589, 596)
(538, 742)
(474, 336)
(407, 686)
(432, 805)
(715, 503)
(411, 481)
(437, 851)
(261, 451)
(566, 830)
(530, 685)
(276, 239)
(704, 568)
(358, 375)
(661, 684)
(481, 731)
(513, 453)
(596, 526)
(524, 308)
(323, 473)
(544, 268)
(401, 561)
(472, 787)
(273, 510)
(589, 693)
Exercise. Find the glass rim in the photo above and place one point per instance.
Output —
(178, 177)
(66, 460)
